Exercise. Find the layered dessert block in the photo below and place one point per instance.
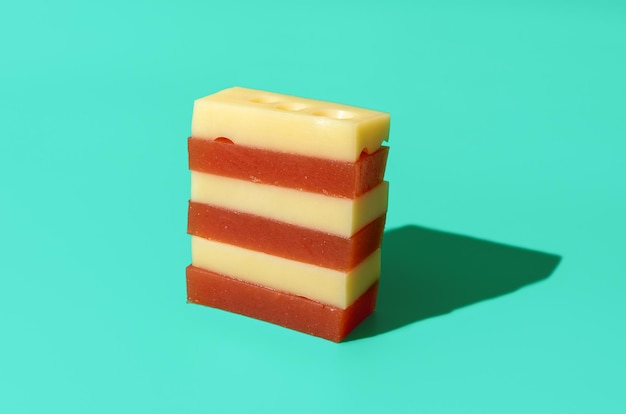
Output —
(287, 209)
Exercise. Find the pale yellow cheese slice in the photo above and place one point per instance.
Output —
(289, 124)
(324, 285)
(333, 215)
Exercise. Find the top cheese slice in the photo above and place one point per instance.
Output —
(289, 124)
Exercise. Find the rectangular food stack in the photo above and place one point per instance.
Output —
(287, 209)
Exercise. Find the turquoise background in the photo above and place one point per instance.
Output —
(505, 254)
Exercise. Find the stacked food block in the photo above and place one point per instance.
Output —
(287, 209)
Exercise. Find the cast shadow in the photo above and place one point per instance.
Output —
(426, 273)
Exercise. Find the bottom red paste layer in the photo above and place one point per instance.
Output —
(280, 308)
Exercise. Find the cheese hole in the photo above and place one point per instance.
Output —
(334, 113)
(264, 99)
(290, 106)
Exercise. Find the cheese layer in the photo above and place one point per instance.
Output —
(327, 286)
(291, 124)
(334, 215)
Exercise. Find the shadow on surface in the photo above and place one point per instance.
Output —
(426, 273)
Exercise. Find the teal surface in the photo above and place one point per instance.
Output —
(504, 269)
